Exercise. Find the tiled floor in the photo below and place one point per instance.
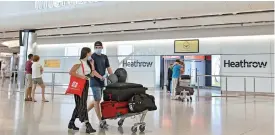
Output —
(208, 116)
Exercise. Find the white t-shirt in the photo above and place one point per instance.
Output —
(36, 70)
(87, 69)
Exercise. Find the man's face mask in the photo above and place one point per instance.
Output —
(98, 51)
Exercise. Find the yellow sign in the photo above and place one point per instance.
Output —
(52, 63)
(186, 46)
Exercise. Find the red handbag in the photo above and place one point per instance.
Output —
(76, 84)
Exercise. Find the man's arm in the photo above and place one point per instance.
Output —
(94, 72)
(109, 69)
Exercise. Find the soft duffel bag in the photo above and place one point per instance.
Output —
(112, 109)
(142, 102)
(119, 95)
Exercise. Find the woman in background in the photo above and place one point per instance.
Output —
(80, 110)
(37, 71)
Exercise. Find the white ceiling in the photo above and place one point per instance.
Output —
(128, 11)
(104, 12)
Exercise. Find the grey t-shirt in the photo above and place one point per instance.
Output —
(101, 63)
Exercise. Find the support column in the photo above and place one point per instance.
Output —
(27, 41)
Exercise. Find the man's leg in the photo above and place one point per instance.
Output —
(27, 89)
(174, 85)
(97, 91)
(169, 85)
(29, 85)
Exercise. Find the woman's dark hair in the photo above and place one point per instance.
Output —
(84, 52)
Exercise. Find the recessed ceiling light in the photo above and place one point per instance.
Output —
(92, 25)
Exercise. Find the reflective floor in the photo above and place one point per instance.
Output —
(206, 116)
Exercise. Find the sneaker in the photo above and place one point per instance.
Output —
(72, 126)
(89, 128)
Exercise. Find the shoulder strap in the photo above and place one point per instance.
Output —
(82, 66)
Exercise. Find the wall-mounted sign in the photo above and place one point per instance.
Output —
(244, 64)
(52, 63)
(186, 46)
(137, 63)
(40, 5)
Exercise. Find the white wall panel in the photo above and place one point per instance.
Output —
(250, 48)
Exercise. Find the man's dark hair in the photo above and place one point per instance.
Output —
(98, 43)
(30, 56)
(178, 60)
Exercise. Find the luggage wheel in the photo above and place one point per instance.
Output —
(134, 129)
(141, 128)
(120, 122)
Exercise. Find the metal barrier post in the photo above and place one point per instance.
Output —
(13, 79)
(198, 87)
(244, 89)
(53, 82)
(226, 88)
(254, 87)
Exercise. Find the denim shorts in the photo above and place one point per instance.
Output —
(97, 93)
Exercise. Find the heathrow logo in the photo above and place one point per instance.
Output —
(136, 64)
(244, 64)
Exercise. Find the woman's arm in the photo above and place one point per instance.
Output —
(41, 69)
(73, 71)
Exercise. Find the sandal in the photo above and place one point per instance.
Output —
(45, 100)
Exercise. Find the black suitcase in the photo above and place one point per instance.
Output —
(123, 86)
(185, 77)
(121, 95)
(186, 88)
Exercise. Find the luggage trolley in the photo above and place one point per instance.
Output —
(183, 90)
(141, 124)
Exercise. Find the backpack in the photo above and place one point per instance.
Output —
(142, 102)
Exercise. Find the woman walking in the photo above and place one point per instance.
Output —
(37, 71)
(82, 69)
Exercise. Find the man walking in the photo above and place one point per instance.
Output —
(101, 63)
(28, 70)
(169, 77)
(177, 69)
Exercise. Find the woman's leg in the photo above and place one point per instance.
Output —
(33, 91)
(75, 113)
(43, 93)
(83, 111)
